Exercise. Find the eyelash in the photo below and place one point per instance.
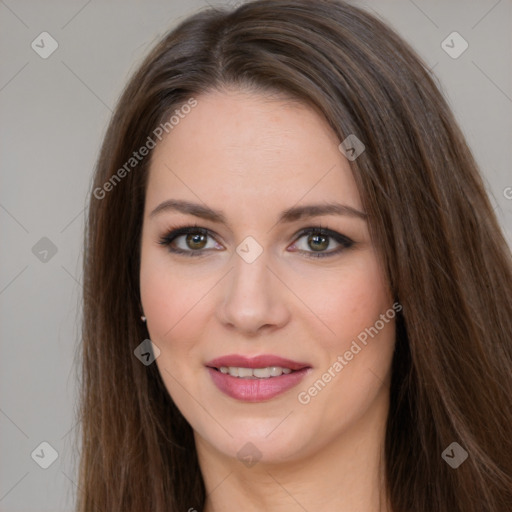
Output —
(344, 241)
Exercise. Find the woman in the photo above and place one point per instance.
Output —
(285, 206)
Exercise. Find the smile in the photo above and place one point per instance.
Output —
(254, 373)
(255, 379)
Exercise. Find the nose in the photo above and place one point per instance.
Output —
(253, 298)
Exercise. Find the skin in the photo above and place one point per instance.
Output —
(252, 156)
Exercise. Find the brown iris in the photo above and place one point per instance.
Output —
(198, 240)
(321, 242)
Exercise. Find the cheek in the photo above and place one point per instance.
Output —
(178, 308)
(355, 302)
(355, 367)
(168, 298)
(172, 303)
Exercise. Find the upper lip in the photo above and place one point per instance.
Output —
(261, 361)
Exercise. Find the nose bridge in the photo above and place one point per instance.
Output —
(251, 298)
(251, 267)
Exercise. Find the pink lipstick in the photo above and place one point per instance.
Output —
(255, 379)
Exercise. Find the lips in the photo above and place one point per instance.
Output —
(250, 388)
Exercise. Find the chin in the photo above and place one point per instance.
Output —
(269, 439)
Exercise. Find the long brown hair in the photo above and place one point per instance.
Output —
(438, 238)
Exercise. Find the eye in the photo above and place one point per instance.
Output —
(194, 241)
(320, 239)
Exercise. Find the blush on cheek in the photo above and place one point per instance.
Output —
(173, 318)
(355, 311)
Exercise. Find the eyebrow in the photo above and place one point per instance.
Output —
(288, 215)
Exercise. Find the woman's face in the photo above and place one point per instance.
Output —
(258, 287)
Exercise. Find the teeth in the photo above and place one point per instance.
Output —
(255, 373)
(265, 373)
(242, 372)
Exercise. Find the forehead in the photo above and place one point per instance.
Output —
(251, 150)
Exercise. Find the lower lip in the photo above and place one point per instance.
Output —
(256, 390)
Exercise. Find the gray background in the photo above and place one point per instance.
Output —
(53, 115)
